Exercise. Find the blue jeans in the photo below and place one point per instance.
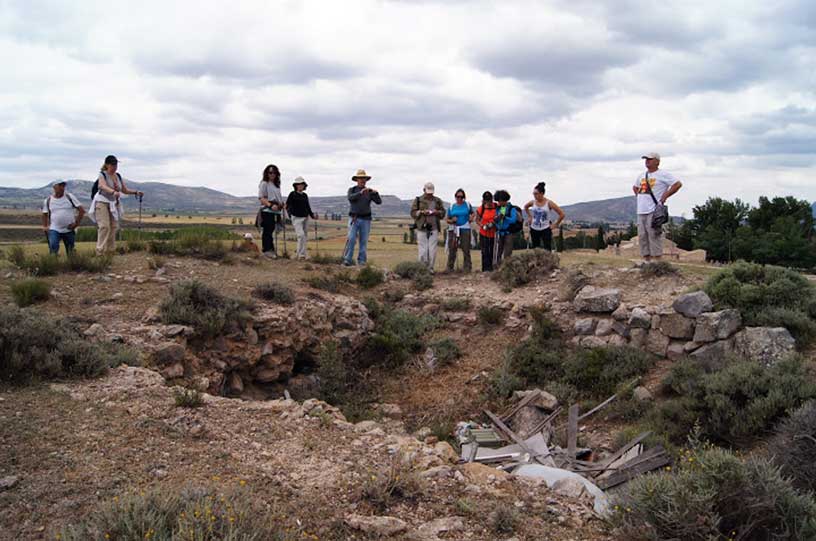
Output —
(357, 228)
(54, 238)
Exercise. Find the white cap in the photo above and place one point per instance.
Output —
(428, 188)
(248, 236)
(651, 156)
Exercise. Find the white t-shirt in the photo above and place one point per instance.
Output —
(541, 216)
(63, 213)
(660, 181)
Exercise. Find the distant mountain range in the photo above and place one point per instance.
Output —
(171, 199)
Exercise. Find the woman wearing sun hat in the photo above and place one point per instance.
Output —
(297, 205)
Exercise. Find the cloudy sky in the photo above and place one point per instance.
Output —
(473, 94)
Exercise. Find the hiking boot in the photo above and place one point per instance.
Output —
(270, 255)
(348, 264)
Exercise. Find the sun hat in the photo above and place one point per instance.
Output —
(361, 174)
(57, 183)
(651, 156)
(428, 188)
(299, 180)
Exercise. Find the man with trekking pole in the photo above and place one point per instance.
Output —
(360, 198)
(427, 210)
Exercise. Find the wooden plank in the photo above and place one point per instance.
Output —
(522, 403)
(622, 451)
(540, 458)
(544, 422)
(627, 474)
(598, 408)
(572, 430)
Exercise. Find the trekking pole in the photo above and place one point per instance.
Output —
(317, 240)
(140, 196)
(285, 249)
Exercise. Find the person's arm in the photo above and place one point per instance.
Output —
(440, 209)
(45, 217)
(375, 196)
(309, 209)
(354, 196)
(671, 191)
(103, 185)
(415, 208)
(527, 211)
(288, 203)
(80, 215)
(263, 195)
(560, 212)
(125, 189)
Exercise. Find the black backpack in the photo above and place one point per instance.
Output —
(518, 224)
(95, 187)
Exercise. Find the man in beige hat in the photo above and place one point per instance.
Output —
(360, 198)
(652, 188)
(427, 211)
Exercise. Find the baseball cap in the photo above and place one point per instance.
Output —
(57, 183)
(651, 156)
(428, 188)
(111, 159)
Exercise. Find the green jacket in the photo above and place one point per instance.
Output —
(421, 203)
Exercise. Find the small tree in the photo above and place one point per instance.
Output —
(600, 243)
(240, 221)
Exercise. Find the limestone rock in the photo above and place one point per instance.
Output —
(688, 347)
(638, 338)
(377, 525)
(693, 304)
(169, 353)
(585, 326)
(593, 341)
(764, 344)
(545, 400)
(640, 319)
(569, 487)
(642, 394)
(621, 328)
(677, 326)
(714, 351)
(94, 330)
(481, 474)
(604, 327)
(9, 482)
(437, 472)
(444, 450)
(713, 326)
(676, 351)
(620, 313)
(616, 340)
(173, 371)
(430, 530)
(235, 385)
(594, 299)
(657, 343)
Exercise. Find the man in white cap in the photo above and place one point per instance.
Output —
(61, 215)
(427, 210)
(652, 188)
(360, 198)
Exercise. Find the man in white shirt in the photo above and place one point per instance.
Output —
(662, 185)
(62, 213)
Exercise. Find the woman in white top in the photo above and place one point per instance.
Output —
(540, 212)
(106, 207)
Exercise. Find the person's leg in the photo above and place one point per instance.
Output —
(535, 237)
(69, 239)
(422, 246)
(114, 226)
(299, 225)
(267, 233)
(103, 222)
(499, 250)
(464, 239)
(365, 231)
(487, 253)
(53, 241)
(643, 235)
(508, 247)
(655, 239)
(546, 239)
(351, 238)
(433, 245)
(451, 250)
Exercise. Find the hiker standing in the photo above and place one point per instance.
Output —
(62, 213)
(459, 217)
(539, 216)
(652, 188)
(508, 223)
(272, 208)
(106, 204)
(485, 215)
(360, 198)
(427, 210)
(297, 205)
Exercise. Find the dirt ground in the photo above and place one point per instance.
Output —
(76, 444)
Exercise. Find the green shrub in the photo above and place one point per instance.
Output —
(490, 315)
(537, 362)
(736, 404)
(16, 255)
(203, 308)
(524, 267)
(326, 259)
(31, 291)
(503, 382)
(332, 374)
(423, 281)
(654, 269)
(35, 346)
(399, 335)
(456, 304)
(369, 277)
(793, 447)
(800, 324)
(544, 328)
(162, 247)
(599, 371)
(504, 519)
(203, 514)
(51, 265)
(393, 295)
(187, 398)
(410, 269)
(136, 245)
(43, 265)
(275, 292)
(78, 261)
(375, 309)
(446, 351)
(328, 283)
(712, 494)
(398, 480)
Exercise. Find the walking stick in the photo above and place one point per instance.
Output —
(349, 239)
(140, 196)
(285, 249)
(317, 240)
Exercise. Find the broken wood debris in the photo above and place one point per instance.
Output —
(523, 436)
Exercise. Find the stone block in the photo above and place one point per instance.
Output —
(621, 328)
(604, 327)
(720, 325)
(598, 300)
(638, 338)
(677, 326)
(657, 343)
(714, 351)
(640, 319)
(693, 304)
(676, 351)
(764, 344)
(620, 313)
(585, 326)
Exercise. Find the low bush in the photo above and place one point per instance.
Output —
(31, 291)
(16, 255)
(275, 292)
(490, 315)
(393, 295)
(156, 262)
(369, 277)
(203, 308)
(200, 513)
(574, 280)
(35, 346)
(187, 398)
(537, 362)
(504, 519)
(793, 447)
(78, 261)
(374, 308)
(326, 259)
(524, 267)
(423, 281)
(503, 382)
(398, 480)
(51, 265)
(456, 304)
(800, 324)
(399, 335)
(446, 351)
(136, 245)
(329, 283)
(599, 371)
(332, 374)
(410, 269)
(735, 404)
(656, 269)
(712, 494)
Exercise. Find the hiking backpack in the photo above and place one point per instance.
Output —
(95, 187)
(518, 223)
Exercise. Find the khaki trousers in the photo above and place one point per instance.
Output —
(106, 232)
(649, 238)
(427, 247)
(301, 232)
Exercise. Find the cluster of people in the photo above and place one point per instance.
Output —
(496, 218)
